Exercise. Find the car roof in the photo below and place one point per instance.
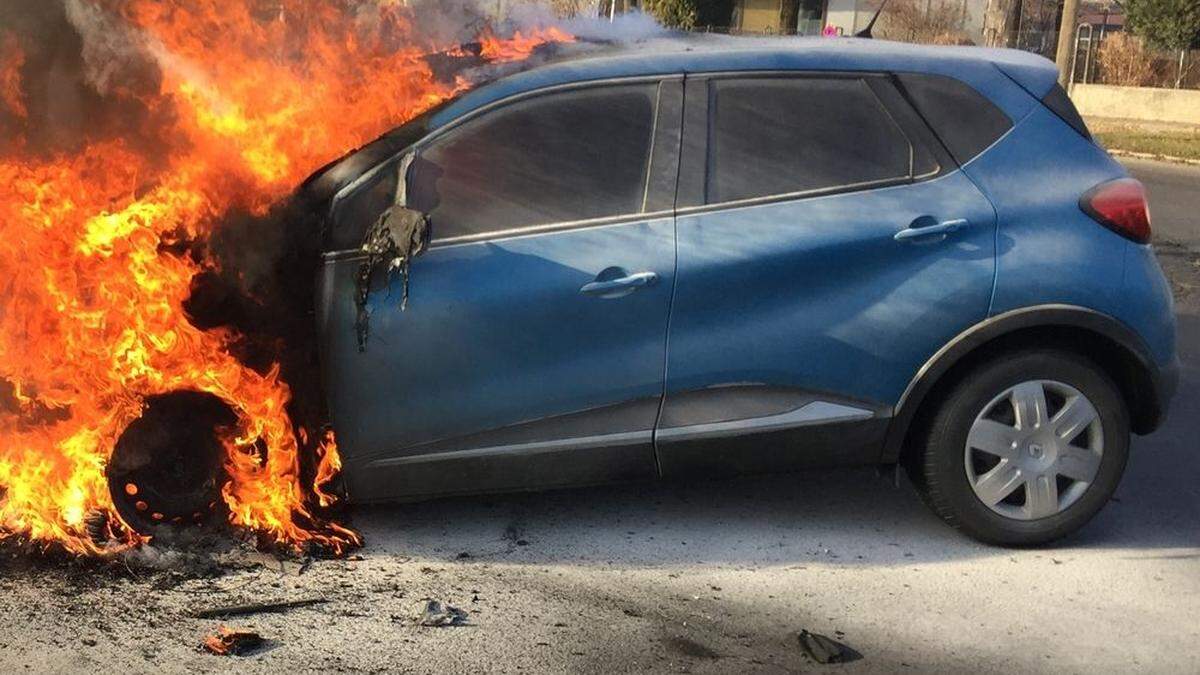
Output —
(702, 53)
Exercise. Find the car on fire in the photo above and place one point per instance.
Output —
(713, 256)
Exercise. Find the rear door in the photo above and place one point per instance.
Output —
(532, 347)
(828, 246)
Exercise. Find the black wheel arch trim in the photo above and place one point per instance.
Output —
(1161, 383)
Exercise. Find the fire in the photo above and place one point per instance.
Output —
(92, 320)
(12, 58)
(519, 46)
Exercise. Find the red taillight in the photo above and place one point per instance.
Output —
(1120, 205)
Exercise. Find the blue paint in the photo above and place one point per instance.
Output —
(812, 294)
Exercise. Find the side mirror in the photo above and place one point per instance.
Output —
(398, 235)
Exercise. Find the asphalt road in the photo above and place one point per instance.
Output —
(712, 577)
(1174, 197)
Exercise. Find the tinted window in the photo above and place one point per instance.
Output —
(770, 136)
(964, 120)
(555, 158)
(357, 212)
(1060, 104)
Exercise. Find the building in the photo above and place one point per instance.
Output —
(812, 17)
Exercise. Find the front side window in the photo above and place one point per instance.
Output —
(554, 158)
(774, 136)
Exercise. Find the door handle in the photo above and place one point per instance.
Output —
(615, 288)
(920, 230)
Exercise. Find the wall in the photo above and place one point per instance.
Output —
(761, 16)
(1138, 103)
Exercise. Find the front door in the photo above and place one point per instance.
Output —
(532, 347)
(827, 247)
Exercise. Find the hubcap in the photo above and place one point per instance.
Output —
(1034, 450)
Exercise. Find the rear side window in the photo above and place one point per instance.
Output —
(1060, 104)
(966, 122)
(555, 158)
(775, 136)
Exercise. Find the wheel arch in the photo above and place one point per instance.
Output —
(1097, 336)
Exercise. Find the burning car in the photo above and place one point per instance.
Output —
(704, 256)
(721, 256)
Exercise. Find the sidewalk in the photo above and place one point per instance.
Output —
(1162, 140)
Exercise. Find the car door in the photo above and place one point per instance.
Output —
(827, 246)
(531, 349)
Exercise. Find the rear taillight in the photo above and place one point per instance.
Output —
(1120, 205)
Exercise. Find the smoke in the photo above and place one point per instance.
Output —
(113, 53)
(628, 28)
(67, 82)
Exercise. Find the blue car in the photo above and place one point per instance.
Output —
(708, 257)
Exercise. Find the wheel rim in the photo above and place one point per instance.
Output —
(1034, 450)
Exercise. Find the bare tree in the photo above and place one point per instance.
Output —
(1123, 59)
(569, 9)
(926, 21)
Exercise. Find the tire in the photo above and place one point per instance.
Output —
(977, 448)
(166, 469)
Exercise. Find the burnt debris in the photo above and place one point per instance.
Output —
(826, 650)
(233, 642)
(437, 615)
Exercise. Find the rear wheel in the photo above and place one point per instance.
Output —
(1026, 448)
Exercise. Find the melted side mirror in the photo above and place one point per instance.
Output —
(398, 235)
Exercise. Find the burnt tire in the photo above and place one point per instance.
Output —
(1004, 472)
(167, 467)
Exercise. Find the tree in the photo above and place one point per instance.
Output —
(925, 21)
(673, 13)
(1165, 24)
(1123, 60)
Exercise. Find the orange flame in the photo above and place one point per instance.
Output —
(92, 319)
(520, 45)
(12, 58)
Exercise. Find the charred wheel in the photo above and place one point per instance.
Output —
(167, 467)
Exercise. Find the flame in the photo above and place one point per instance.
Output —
(328, 467)
(520, 45)
(92, 319)
(12, 58)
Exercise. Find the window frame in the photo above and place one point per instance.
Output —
(662, 170)
(698, 116)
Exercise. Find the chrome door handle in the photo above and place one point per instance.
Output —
(615, 288)
(946, 227)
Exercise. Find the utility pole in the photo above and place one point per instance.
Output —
(1063, 58)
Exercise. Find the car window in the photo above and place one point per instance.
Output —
(771, 136)
(965, 121)
(560, 157)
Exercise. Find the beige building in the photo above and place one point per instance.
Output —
(846, 17)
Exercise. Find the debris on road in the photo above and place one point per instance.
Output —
(826, 650)
(233, 642)
(257, 608)
(437, 615)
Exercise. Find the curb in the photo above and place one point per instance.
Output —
(1152, 155)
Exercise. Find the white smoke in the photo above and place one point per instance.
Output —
(112, 51)
(630, 27)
